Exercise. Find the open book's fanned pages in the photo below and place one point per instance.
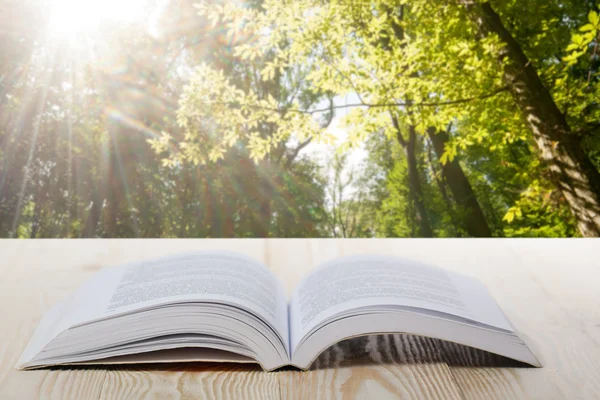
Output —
(363, 295)
(221, 306)
(214, 300)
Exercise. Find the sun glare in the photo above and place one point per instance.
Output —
(71, 17)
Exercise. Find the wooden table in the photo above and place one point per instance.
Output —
(550, 289)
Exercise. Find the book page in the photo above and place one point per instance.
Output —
(375, 281)
(217, 276)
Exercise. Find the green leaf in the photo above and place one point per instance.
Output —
(512, 213)
(588, 27)
(594, 18)
(578, 40)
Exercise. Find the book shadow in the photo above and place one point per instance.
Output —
(388, 349)
(406, 349)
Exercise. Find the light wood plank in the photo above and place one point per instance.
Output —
(548, 289)
(190, 381)
(24, 301)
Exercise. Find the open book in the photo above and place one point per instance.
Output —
(221, 306)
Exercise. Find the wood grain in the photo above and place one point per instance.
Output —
(377, 367)
(185, 381)
(549, 290)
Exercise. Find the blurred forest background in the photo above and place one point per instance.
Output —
(299, 118)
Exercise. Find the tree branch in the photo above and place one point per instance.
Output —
(346, 77)
(302, 145)
(398, 131)
(369, 105)
(296, 151)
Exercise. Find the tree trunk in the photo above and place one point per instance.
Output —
(441, 183)
(36, 221)
(265, 195)
(255, 183)
(414, 182)
(409, 149)
(113, 189)
(462, 191)
(572, 171)
(207, 201)
(91, 223)
(229, 209)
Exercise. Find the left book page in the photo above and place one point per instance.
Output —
(213, 276)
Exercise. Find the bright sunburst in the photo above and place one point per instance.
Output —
(72, 17)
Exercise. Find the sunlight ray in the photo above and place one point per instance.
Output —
(41, 105)
(124, 182)
(16, 129)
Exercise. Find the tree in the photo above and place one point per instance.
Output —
(464, 195)
(73, 143)
(475, 222)
(414, 181)
(351, 204)
(427, 69)
(478, 118)
(571, 169)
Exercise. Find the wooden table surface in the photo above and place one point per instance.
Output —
(550, 290)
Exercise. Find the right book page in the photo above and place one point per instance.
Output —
(360, 283)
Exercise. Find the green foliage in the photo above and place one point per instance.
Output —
(535, 215)
(421, 60)
(74, 156)
(197, 131)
